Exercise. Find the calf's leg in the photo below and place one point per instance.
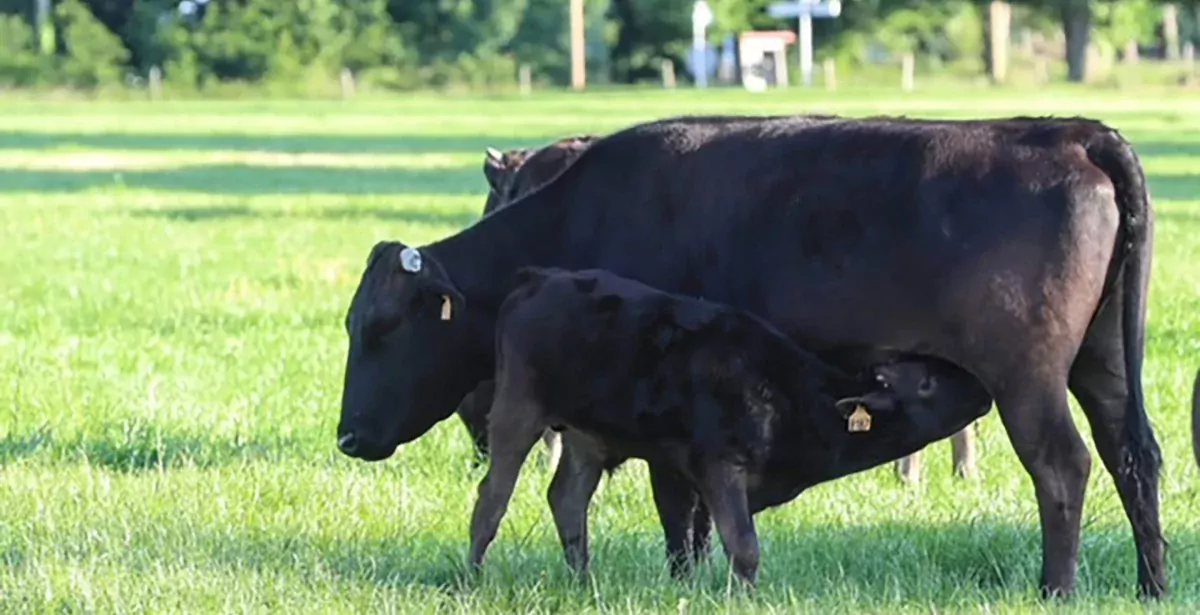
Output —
(908, 468)
(724, 490)
(553, 442)
(575, 479)
(512, 432)
(677, 503)
(962, 449)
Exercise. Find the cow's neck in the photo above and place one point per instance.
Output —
(482, 259)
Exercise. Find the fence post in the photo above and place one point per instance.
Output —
(907, 68)
(667, 67)
(525, 78)
(347, 80)
(155, 82)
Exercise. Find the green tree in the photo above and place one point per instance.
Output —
(92, 54)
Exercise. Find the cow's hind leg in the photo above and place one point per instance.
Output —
(1037, 417)
(1127, 448)
(575, 479)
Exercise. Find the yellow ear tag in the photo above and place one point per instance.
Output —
(445, 307)
(860, 419)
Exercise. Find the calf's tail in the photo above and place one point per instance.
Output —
(1135, 239)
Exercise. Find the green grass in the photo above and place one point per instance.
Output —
(173, 279)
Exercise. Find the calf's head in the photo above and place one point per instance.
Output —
(401, 375)
(926, 398)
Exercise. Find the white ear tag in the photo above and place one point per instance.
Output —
(446, 305)
(410, 260)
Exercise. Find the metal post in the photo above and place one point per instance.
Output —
(805, 45)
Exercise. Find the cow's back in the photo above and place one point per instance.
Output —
(791, 218)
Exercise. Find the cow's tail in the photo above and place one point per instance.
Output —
(1196, 418)
(1113, 155)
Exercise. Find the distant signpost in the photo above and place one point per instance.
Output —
(806, 11)
(702, 18)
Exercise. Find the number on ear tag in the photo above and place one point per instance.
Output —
(446, 307)
(860, 419)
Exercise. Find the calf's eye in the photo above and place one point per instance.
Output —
(927, 386)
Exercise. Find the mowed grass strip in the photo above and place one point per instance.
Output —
(173, 281)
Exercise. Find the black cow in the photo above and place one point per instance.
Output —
(509, 178)
(1017, 249)
(710, 393)
(1196, 418)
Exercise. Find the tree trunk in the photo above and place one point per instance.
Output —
(1170, 17)
(1077, 23)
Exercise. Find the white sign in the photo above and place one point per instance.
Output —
(702, 17)
(830, 8)
(805, 11)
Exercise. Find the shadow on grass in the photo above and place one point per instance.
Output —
(1182, 187)
(291, 143)
(878, 564)
(1149, 149)
(240, 179)
(138, 448)
(216, 214)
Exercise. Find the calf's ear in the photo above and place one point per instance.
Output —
(874, 403)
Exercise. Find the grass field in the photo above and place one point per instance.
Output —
(173, 279)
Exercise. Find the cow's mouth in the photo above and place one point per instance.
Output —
(353, 445)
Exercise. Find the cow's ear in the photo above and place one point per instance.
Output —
(448, 298)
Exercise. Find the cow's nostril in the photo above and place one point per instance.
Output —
(348, 444)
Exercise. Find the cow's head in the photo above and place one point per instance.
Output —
(500, 170)
(517, 172)
(402, 372)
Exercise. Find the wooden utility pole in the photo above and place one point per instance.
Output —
(999, 23)
(578, 65)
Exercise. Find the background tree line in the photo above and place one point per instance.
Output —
(409, 44)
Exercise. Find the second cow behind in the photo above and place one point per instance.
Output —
(715, 399)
